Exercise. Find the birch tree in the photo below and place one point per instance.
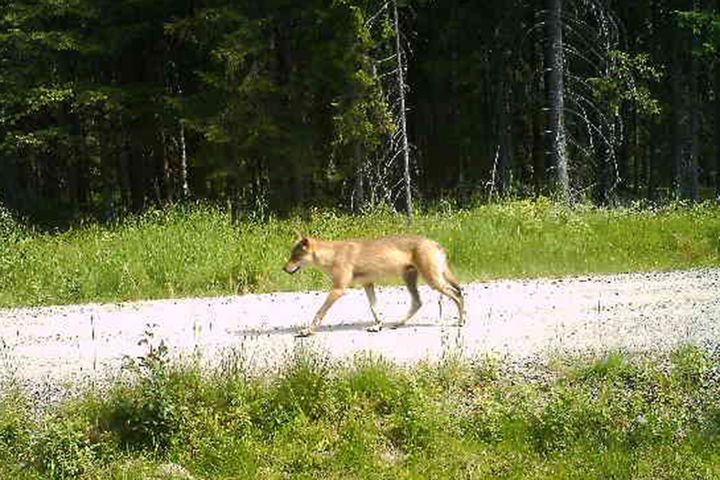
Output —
(384, 174)
(402, 119)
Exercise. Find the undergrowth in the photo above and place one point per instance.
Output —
(616, 417)
(198, 251)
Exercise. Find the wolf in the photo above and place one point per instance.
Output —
(366, 261)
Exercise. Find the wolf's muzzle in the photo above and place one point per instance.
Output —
(291, 268)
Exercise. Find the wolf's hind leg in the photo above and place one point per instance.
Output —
(455, 294)
(370, 292)
(448, 286)
(410, 276)
(454, 286)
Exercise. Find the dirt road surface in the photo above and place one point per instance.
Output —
(515, 319)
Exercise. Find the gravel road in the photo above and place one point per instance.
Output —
(512, 319)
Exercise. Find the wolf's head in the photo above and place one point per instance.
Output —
(300, 255)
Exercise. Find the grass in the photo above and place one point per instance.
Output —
(617, 417)
(197, 251)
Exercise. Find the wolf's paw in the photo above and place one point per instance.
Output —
(305, 332)
(374, 328)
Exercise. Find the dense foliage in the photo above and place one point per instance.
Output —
(618, 417)
(109, 106)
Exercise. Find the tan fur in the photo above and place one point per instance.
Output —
(367, 261)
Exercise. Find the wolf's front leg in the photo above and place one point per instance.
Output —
(370, 292)
(334, 294)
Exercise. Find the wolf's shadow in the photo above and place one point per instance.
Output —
(341, 327)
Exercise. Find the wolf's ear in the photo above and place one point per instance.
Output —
(298, 236)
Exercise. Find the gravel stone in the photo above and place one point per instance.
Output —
(49, 347)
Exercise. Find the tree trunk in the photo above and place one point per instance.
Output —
(692, 174)
(538, 148)
(297, 184)
(107, 171)
(716, 173)
(602, 172)
(166, 188)
(650, 153)
(138, 178)
(10, 194)
(185, 189)
(554, 88)
(692, 180)
(678, 124)
(686, 120)
(357, 196)
(625, 159)
(403, 118)
(635, 153)
(505, 136)
(123, 167)
(716, 88)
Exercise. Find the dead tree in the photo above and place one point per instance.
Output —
(385, 174)
(401, 117)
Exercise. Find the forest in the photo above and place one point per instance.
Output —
(111, 107)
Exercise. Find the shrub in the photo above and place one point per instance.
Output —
(144, 414)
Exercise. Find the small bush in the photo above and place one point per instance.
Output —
(144, 415)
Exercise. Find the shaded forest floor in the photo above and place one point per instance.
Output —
(198, 251)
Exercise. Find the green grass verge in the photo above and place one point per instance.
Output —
(617, 417)
(196, 251)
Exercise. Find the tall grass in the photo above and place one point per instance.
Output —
(193, 251)
(617, 417)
